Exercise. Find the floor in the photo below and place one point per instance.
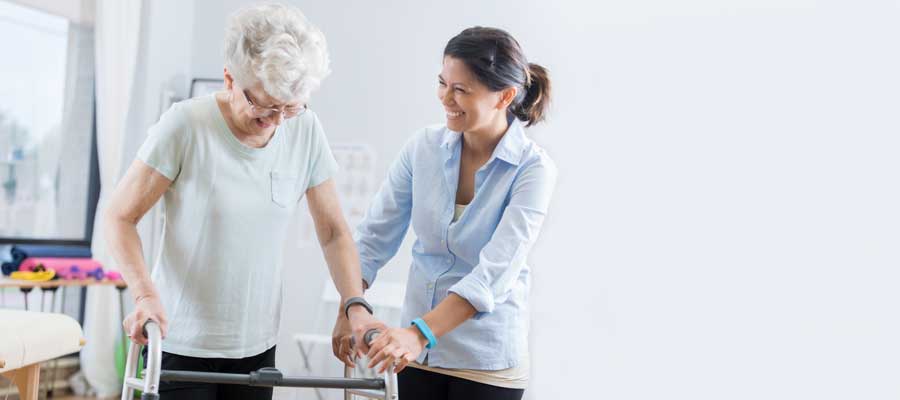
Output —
(83, 398)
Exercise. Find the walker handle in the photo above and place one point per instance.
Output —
(369, 336)
(149, 383)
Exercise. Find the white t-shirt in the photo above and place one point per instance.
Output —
(226, 213)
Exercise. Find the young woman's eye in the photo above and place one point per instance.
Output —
(441, 84)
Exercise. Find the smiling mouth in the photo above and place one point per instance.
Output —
(456, 114)
(261, 124)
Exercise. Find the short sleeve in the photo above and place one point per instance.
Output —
(164, 148)
(322, 163)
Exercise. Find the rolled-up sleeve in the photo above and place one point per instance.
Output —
(380, 234)
(501, 261)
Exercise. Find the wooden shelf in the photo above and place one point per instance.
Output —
(16, 283)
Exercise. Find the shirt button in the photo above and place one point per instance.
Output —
(431, 286)
(449, 261)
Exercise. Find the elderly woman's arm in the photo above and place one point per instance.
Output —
(340, 254)
(135, 194)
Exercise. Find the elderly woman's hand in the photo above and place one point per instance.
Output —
(145, 308)
(340, 340)
(345, 330)
(396, 347)
(360, 323)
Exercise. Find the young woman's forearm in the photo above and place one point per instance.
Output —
(449, 314)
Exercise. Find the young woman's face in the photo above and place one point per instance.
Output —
(469, 105)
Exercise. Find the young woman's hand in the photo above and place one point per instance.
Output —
(396, 347)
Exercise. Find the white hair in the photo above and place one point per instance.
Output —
(275, 45)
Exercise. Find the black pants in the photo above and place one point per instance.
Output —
(211, 391)
(417, 384)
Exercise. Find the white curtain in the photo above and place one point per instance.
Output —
(117, 41)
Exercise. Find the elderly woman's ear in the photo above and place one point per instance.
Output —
(229, 79)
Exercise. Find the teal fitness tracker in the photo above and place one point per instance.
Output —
(426, 331)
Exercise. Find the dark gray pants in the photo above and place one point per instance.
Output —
(212, 391)
(417, 384)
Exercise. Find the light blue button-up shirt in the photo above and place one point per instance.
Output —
(481, 257)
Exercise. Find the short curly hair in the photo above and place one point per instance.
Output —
(274, 44)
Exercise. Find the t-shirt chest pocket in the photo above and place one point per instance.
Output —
(285, 188)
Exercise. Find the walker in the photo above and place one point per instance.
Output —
(379, 388)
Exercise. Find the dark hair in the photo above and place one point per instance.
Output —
(498, 62)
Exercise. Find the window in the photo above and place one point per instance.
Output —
(48, 172)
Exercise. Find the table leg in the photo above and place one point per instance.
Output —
(26, 380)
(63, 305)
(55, 363)
(25, 291)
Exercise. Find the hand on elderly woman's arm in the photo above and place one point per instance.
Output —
(400, 346)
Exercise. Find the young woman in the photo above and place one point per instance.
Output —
(476, 191)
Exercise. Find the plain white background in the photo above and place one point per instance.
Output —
(726, 223)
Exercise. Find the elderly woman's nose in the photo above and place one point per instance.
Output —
(277, 118)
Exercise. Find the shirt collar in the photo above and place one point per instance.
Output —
(512, 144)
(450, 138)
(509, 149)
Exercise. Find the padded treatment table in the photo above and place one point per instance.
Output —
(29, 338)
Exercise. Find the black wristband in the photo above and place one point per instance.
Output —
(356, 300)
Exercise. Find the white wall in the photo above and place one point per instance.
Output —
(725, 224)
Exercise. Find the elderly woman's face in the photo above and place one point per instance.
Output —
(256, 112)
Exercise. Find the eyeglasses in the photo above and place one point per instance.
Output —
(265, 112)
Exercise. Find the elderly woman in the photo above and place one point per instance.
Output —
(231, 168)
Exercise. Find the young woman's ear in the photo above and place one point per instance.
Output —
(507, 96)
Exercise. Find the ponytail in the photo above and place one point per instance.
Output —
(533, 107)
